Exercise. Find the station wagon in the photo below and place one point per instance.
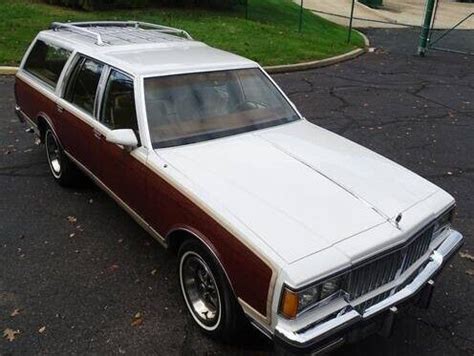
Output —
(276, 222)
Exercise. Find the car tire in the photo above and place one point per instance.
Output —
(207, 294)
(62, 169)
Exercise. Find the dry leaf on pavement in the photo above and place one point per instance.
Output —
(10, 334)
(466, 255)
(42, 329)
(137, 319)
(15, 312)
(113, 268)
(71, 219)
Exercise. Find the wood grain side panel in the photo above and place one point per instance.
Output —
(170, 209)
(31, 101)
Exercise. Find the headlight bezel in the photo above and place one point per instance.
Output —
(340, 277)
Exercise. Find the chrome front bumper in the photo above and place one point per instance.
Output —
(310, 337)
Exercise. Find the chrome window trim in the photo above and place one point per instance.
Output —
(100, 92)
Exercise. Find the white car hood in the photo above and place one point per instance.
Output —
(298, 187)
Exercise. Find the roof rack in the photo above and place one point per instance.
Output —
(81, 27)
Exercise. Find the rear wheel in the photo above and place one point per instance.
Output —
(61, 167)
(207, 293)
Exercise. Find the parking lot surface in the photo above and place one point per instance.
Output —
(78, 276)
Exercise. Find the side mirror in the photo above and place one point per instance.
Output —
(124, 137)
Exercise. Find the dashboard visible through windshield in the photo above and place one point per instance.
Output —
(189, 108)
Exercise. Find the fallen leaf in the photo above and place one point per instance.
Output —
(42, 329)
(113, 268)
(15, 313)
(72, 219)
(137, 319)
(72, 234)
(467, 256)
(470, 272)
(10, 334)
(153, 272)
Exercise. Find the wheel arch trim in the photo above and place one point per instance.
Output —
(206, 242)
(43, 116)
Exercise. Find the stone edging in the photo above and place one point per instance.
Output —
(8, 70)
(277, 69)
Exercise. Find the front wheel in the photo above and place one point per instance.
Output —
(207, 293)
(61, 167)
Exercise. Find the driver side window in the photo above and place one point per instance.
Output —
(118, 105)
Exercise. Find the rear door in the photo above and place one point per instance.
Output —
(77, 110)
(121, 170)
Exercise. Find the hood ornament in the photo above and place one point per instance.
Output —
(398, 219)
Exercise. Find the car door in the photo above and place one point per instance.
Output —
(122, 170)
(76, 110)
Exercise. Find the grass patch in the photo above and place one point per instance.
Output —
(270, 36)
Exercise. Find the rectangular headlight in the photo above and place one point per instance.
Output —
(295, 302)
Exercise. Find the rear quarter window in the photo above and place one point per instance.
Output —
(46, 62)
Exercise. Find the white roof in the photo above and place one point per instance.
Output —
(147, 52)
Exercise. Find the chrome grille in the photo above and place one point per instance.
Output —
(385, 269)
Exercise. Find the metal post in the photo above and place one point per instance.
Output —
(425, 31)
(300, 27)
(349, 35)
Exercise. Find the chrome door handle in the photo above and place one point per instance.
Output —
(59, 108)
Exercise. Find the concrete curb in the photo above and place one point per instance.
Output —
(8, 70)
(285, 68)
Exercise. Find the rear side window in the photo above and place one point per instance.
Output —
(46, 62)
(82, 87)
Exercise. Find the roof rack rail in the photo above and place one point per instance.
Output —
(81, 27)
(73, 27)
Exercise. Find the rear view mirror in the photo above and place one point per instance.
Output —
(124, 137)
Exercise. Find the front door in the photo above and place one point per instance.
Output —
(121, 170)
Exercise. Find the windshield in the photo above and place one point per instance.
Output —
(190, 108)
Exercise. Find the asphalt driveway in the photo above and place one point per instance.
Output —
(75, 269)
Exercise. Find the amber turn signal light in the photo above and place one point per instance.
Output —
(289, 304)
